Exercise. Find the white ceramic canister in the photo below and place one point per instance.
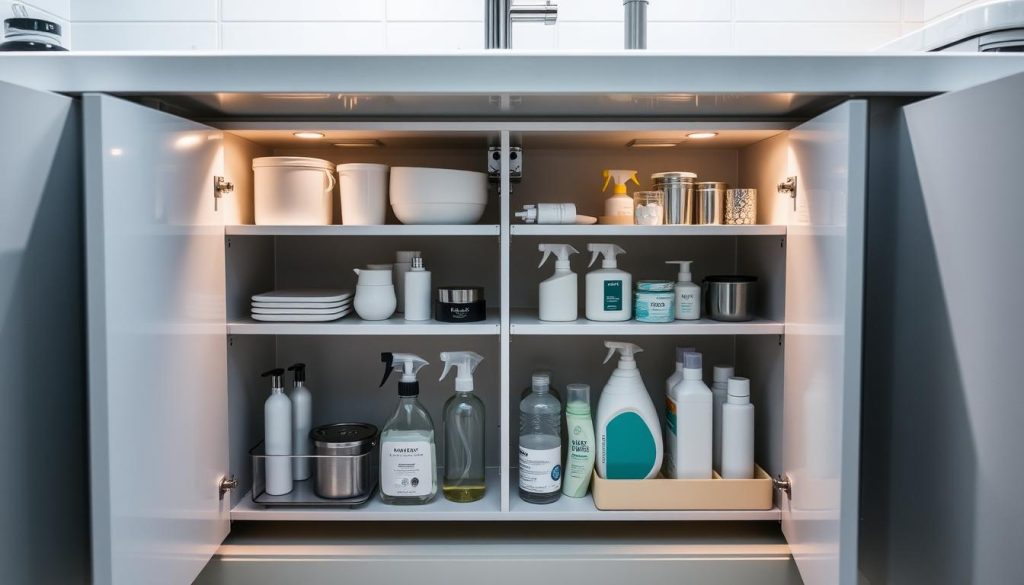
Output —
(375, 295)
(292, 190)
(364, 193)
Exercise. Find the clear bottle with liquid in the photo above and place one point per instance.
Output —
(463, 430)
(540, 444)
(408, 466)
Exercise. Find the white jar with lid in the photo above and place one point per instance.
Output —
(293, 190)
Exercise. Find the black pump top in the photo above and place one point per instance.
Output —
(275, 377)
(299, 371)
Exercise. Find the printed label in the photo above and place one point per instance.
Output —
(613, 295)
(671, 422)
(686, 303)
(406, 468)
(540, 470)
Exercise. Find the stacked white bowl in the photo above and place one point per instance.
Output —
(437, 196)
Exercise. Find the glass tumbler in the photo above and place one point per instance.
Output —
(649, 208)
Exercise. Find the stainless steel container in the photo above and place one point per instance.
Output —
(680, 201)
(710, 201)
(346, 466)
(729, 297)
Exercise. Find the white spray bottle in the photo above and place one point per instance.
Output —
(559, 294)
(463, 430)
(620, 204)
(609, 290)
(687, 300)
(277, 436)
(629, 444)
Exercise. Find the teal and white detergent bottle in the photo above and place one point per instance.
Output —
(629, 444)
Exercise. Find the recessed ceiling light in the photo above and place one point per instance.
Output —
(360, 143)
(701, 135)
(308, 135)
(652, 143)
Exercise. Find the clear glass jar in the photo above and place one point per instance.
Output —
(649, 208)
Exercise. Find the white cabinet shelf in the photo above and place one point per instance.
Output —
(363, 230)
(647, 230)
(353, 325)
(525, 322)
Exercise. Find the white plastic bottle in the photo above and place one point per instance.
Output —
(403, 263)
(620, 204)
(629, 444)
(691, 400)
(670, 414)
(417, 292)
(302, 423)
(738, 432)
(559, 298)
(687, 299)
(609, 290)
(719, 392)
(277, 436)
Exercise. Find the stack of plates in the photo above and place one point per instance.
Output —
(301, 305)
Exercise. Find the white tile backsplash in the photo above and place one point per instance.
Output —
(689, 37)
(689, 10)
(817, 10)
(774, 37)
(534, 36)
(143, 10)
(302, 10)
(589, 10)
(58, 8)
(303, 37)
(938, 8)
(590, 36)
(429, 37)
(145, 36)
(433, 10)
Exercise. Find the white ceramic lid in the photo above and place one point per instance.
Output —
(361, 167)
(293, 161)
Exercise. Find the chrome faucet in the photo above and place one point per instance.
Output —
(500, 14)
(636, 23)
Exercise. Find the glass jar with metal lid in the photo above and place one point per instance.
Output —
(345, 464)
(680, 204)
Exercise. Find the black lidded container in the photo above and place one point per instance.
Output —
(460, 304)
(31, 34)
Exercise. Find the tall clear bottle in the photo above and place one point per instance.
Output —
(540, 445)
(463, 430)
(408, 459)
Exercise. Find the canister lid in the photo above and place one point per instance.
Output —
(730, 278)
(655, 286)
(359, 437)
(460, 294)
(292, 161)
(674, 177)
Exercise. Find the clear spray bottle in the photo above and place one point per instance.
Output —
(463, 429)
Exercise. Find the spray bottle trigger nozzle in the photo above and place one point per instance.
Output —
(389, 361)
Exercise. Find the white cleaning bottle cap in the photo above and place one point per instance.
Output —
(723, 373)
(682, 351)
(739, 390)
(561, 252)
(609, 251)
(465, 362)
(684, 270)
(626, 352)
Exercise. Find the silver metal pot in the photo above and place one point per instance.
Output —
(346, 468)
(729, 297)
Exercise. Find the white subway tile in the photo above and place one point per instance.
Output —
(445, 10)
(934, 9)
(811, 37)
(817, 10)
(535, 36)
(591, 36)
(58, 8)
(689, 10)
(143, 10)
(913, 11)
(429, 37)
(690, 37)
(144, 36)
(302, 10)
(590, 10)
(303, 37)
(909, 27)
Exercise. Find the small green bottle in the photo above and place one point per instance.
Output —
(579, 463)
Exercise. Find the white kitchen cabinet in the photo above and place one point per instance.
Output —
(175, 397)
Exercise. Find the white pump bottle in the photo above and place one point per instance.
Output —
(629, 443)
(687, 300)
(302, 423)
(277, 436)
(559, 294)
(609, 290)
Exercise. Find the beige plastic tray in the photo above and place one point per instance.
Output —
(684, 494)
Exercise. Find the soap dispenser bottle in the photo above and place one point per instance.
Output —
(408, 460)
(277, 436)
(609, 290)
(687, 294)
(619, 207)
(463, 431)
(629, 444)
(559, 294)
(670, 414)
(302, 423)
(690, 402)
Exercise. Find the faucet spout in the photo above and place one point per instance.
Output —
(636, 23)
(500, 14)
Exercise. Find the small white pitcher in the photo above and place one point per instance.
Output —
(375, 294)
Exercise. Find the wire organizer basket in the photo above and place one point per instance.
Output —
(304, 492)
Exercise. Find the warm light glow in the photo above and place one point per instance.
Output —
(360, 143)
(652, 143)
(701, 135)
(116, 152)
(188, 141)
(308, 135)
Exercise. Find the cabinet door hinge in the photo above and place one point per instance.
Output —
(783, 485)
(221, 186)
(788, 187)
(227, 483)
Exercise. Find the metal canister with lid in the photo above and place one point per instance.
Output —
(460, 304)
(680, 202)
(710, 202)
(346, 466)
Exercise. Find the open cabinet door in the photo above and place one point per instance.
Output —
(157, 343)
(824, 279)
